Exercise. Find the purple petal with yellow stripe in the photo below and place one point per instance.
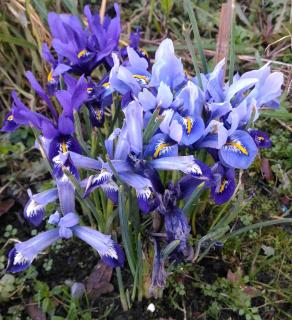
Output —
(239, 151)
(225, 184)
(192, 128)
(260, 138)
(161, 146)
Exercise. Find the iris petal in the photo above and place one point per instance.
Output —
(109, 251)
(161, 146)
(239, 151)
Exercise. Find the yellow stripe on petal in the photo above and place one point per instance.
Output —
(189, 125)
(239, 147)
(159, 149)
(98, 114)
(50, 76)
(64, 147)
(82, 53)
(106, 85)
(141, 77)
(223, 186)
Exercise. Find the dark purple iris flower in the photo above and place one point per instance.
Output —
(82, 50)
(224, 184)
(260, 138)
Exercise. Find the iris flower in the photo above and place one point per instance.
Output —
(83, 49)
(67, 226)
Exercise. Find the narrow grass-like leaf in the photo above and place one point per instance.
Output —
(17, 41)
(41, 9)
(189, 9)
(71, 6)
(128, 245)
(193, 199)
(209, 236)
(79, 134)
(121, 285)
(170, 248)
(256, 226)
(191, 49)
(153, 125)
(277, 114)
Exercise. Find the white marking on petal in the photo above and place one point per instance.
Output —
(111, 252)
(195, 169)
(33, 208)
(20, 258)
(144, 193)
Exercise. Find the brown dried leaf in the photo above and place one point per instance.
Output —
(6, 205)
(266, 170)
(98, 282)
(34, 311)
(233, 277)
(251, 291)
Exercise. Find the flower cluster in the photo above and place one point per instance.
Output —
(201, 127)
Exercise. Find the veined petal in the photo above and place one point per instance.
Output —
(61, 163)
(66, 192)
(161, 146)
(22, 255)
(111, 190)
(186, 164)
(177, 228)
(167, 67)
(40, 91)
(147, 100)
(83, 162)
(34, 209)
(215, 135)
(123, 146)
(71, 219)
(192, 128)
(109, 143)
(192, 100)
(147, 200)
(110, 252)
(224, 187)
(96, 113)
(135, 180)
(134, 121)
(239, 151)
(215, 83)
(96, 181)
(164, 96)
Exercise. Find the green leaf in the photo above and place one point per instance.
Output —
(281, 114)
(153, 125)
(193, 199)
(170, 248)
(128, 245)
(189, 9)
(41, 9)
(17, 41)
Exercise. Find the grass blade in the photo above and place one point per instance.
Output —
(153, 125)
(189, 9)
(125, 232)
(191, 49)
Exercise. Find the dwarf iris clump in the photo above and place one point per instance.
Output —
(147, 127)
